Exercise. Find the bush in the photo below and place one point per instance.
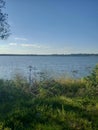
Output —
(92, 79)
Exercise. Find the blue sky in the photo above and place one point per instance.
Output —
(51, 27)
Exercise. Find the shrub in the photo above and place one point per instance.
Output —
(92, 79)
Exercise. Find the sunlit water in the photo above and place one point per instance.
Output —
(68, 66)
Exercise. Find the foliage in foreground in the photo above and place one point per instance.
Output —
(4, 26)
(50, 104)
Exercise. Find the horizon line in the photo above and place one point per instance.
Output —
(70, 54)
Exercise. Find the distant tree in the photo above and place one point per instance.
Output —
(4, 26)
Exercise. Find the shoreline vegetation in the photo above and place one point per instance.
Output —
(49, 104)
(84, 54)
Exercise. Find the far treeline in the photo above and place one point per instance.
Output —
(48, 54)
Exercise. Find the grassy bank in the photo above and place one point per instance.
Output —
(49, 104)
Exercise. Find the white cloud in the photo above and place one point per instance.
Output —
(13, 44)
(20, 38)
(27, 45)
(31, 45)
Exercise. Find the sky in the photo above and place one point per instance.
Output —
(51, 27)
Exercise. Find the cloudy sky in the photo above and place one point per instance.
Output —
(51, 27)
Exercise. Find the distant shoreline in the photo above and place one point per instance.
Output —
(48, 54)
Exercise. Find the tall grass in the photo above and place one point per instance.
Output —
(49, 104)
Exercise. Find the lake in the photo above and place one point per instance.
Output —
(68, 66)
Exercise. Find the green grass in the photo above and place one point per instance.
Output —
(62, 104)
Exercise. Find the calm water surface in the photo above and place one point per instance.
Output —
(77, 66)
